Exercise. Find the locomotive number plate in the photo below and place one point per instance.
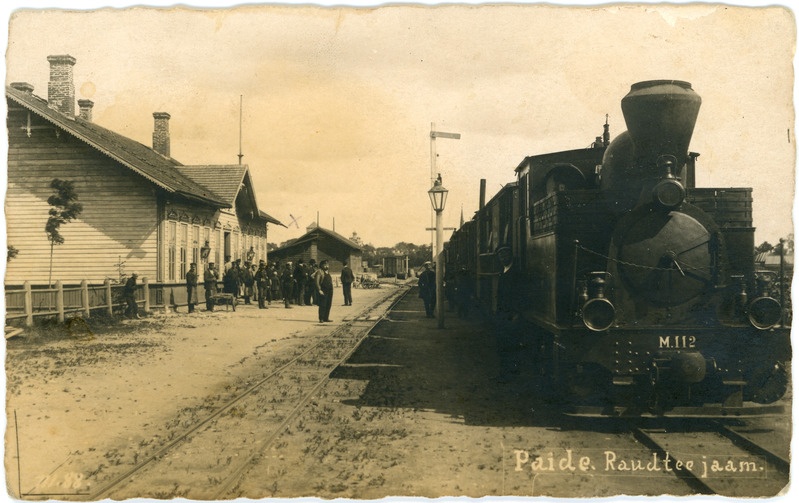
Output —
(677, 342)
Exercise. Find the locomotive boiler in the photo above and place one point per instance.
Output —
(638, 288)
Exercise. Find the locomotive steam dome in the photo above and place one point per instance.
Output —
(660, 116)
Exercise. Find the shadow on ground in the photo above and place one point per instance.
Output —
(472, 370)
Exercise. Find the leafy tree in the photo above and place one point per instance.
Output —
(12, 253)
(64, 208)
(765, 246)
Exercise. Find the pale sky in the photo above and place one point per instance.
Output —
(338, 101)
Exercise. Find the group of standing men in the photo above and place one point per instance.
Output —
(301, 285)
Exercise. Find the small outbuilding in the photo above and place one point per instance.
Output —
(321, 244)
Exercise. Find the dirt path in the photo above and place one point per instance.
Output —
(76, 399)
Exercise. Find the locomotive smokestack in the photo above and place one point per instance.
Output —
(660, 116)
(606, 133)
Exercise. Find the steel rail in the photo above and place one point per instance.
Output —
(692, 479)
(682, 473)
(782, 464)
(235, 477)
(104, 490)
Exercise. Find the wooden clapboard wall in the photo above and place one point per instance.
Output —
(120, 210)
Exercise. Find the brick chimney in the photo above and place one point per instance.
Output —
(85, 107)
(61, 88)
(22, 86)
(161, 133)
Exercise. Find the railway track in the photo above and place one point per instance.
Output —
(713, 458)
(207, 458)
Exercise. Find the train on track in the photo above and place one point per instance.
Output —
(637, 288)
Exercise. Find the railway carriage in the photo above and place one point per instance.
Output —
(638, 288)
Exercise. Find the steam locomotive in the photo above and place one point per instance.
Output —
(637, 289)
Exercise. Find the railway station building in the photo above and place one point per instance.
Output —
(143, 210)
(321, 244)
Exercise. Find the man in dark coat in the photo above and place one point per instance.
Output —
(301, 280)
(347, 277)
(191, 287)
(274, 283)
(427, 289)
(310, 287)
(210, 277)
(261, 278)
(247, 281)
(287, 282)
(324, 291)
(129, 293)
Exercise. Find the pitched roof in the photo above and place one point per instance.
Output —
(224, 180)
(269, 218)
(311, 235)
(139, 158)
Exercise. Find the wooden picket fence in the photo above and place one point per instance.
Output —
(30, 302)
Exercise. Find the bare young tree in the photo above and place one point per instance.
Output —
(64, 208)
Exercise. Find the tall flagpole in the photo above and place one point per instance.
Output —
(241, 100)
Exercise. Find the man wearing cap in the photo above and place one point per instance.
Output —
(191, 287)
(247, 282)
(427, 289)
(287, 283)
(347, 277)
(210, 277)
(261, 278)
(129, 294)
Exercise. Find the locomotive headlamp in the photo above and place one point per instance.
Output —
(598, 312)
(764, 311)
(669, 192)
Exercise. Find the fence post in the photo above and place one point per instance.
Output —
(59, 300)
(108, 300)
(28, 304)
(84, 298)
(145, 284)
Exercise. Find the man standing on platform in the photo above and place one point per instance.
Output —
(324, 291)
(247, 282)
(310, 287)
(287, 283)
(300, 280)
(347, 277)
(261, 278)
(191, 287)
(427, 289)
(210, 277)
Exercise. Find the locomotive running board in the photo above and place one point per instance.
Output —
(708, 411)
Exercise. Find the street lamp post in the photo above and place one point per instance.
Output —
(438, 198)
(433, 155)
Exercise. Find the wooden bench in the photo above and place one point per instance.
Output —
(224, 298)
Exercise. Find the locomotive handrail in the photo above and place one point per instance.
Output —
(632, 264)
